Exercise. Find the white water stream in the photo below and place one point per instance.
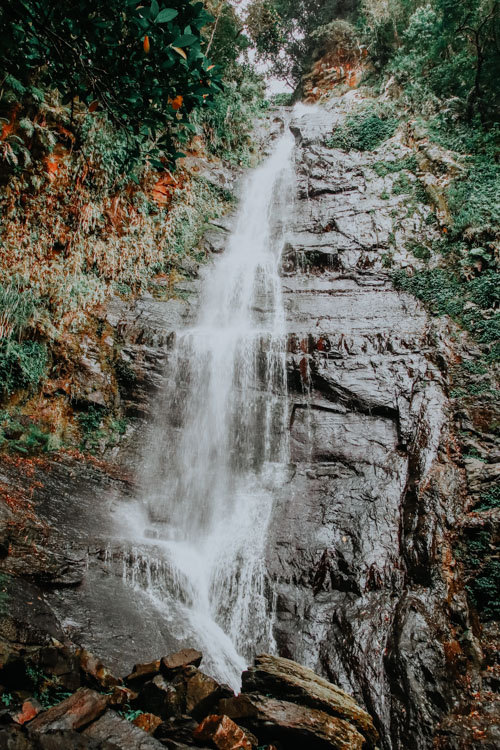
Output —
(220, 444)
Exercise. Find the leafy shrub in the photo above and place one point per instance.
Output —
(16, 309)
(22, 364)
(364, 131)
(228, 124)
(141, 64)
(336, 36)
(474, 199)
(489, 499)
(484, 590)
(281, 100)
(90, 422)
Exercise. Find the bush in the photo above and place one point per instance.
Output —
(474, 198)
(228, 125)
(22, 365)
(467, 302)
(140, 64)
(484, 590)
(364, 131)
(337, 36)
(16, 309)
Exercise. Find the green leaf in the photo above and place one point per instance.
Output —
(185, 40)
(154, 10)
(165, 15)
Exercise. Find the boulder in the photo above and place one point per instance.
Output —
(61, 662)
(75, 712)
(287, 680)
(147, 722)
(121, 734)
(160, 698)
(222, 732)
(70, 740)
(143, 672)
(121, 696)
(176, 728)
(297, 727)
(202, 693)
(29, 709)
(95, 673)
(13, 738)
(172, 664)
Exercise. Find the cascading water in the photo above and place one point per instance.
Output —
(220, 443)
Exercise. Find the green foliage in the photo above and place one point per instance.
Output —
(90, 423)
(484, 590)
(17, 308)
(286, 33)
(383, 168)
(22, 365)
(421, 252)
(364, 131)
(129, 713)
(474, 199)
(490, 499)
(227, 126)
(335, 35)
(440, 51)
(141, 64)
(7, 699)
(189, 215)
(46, 689)
(281, 100)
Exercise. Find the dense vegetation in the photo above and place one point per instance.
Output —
(99, 102)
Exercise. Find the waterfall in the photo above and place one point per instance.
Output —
(220, 442)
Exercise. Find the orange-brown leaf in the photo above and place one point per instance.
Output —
(146, 45)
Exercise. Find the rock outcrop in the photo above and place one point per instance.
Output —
(175, 713)
(360, 551)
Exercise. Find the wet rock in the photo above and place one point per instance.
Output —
(178, 728)
(223, 733)
(202, 693)
(63, 663)
(187, 657)
(147, 722)
(29, 619)
(295, 726)
(69, 740)
(95, 673)
(13, 738)
(143, 672)
(215, 240)
(74, 712)
(121, 734)
(287, 680)
(28, 711)
(121, 696)
(161, 698)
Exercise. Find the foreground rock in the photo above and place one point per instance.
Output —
(290, 724)
(289, 681)
(287, 706)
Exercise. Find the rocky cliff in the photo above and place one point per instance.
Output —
(361, 553)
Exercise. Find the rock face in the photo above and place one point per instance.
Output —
(359, 549)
